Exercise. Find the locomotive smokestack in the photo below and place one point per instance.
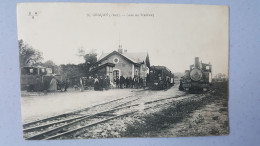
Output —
(196, 64)
(186, 72)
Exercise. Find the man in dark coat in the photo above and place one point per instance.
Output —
(92, 80)
(148, 80)
(141, 83)
(168, 82)
(66, 84)
(122, 82)
(136, 82)
(133, 82)
(101, 83)
(117, 82)
(127, 82)
(107, 80)
(130, 82)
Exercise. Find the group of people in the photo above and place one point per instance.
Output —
(58, 85)
(100, 83)
(129, 82)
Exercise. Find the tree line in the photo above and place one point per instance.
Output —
(29, 56)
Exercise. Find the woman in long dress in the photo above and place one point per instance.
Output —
(96, 84)
(53, 84)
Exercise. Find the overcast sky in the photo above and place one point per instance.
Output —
(171, 34)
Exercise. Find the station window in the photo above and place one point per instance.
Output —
(115, 60)
(115, 74)
(136, 72)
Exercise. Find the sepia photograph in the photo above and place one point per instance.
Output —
(112, 70)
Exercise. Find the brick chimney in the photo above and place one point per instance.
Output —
(120, 49)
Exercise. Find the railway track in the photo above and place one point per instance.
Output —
(57, 117)
(50, 122)
(66, 125)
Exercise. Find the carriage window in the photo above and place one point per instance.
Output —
(31, 71)
(24, 71)
(49, 70)
(43, 70)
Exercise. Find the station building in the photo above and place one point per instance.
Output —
(122, 63)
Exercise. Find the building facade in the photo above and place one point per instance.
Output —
(121, 63)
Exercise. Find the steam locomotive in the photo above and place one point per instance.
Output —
(198, 78)
(160, 77)
(37, 78)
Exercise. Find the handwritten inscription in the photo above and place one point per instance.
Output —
(101, 15)
(33, 14)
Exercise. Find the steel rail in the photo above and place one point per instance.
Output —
(173, 101)
(86, 117)
(72, 123)
(49, 124)
(67, 120)
(86, 126)
(102, 121)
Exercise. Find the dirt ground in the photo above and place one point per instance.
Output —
(194, 117)
(37, 106)
(203, 115)
(212, 119)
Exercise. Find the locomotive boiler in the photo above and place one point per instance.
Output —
(198, 78)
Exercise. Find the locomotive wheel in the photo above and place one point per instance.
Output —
(181, 88)
(30, 88)
(62, 89)
(164, 86)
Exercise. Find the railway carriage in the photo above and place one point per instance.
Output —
(160, 77)
(198, 78)
(36, 78)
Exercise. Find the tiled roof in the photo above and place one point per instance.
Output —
(102, 56)
(135, 57)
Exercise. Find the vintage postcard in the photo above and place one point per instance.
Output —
(109, 70)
